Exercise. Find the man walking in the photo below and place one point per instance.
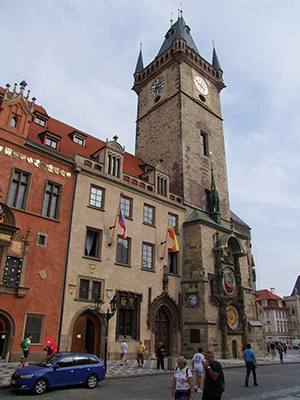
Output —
(124, 348)
(197, 364)
(214, 383)
(25, 346)
(251, 364)
(140, 354)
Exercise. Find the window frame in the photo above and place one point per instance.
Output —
(97, 188)
(99, 232)
(172, 217)
(40, 121)
(17, 191)
(173, 257)
(204, 144)
(128, 302)
(51, 140)
(124, 209)
(145, 213)
(52, 194)
(152, 247)
(128, 240)
(90, 297)
(27, 331)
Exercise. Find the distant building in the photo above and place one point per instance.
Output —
(276, 319)
(293, 305)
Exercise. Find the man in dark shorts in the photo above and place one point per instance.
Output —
(25, 350)
(214, 378)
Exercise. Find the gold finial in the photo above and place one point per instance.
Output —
(171, 19)
(211, 157)
(141, 45)
(180, 10)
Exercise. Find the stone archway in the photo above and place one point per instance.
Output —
(7, 334)
(163, 322)
(86, 336)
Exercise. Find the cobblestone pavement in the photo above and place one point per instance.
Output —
(116, 370)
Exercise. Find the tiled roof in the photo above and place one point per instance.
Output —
(265, 294)
(68, 148)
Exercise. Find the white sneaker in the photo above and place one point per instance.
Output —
(199, 390)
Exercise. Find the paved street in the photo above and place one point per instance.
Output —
(276, 382)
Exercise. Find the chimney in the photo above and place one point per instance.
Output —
(272, 290)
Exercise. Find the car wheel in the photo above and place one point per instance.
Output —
(40, 386)
(92, 381)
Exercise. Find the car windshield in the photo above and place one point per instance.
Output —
(48, 361)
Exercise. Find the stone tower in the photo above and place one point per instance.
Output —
(179, 121)
(179, 126)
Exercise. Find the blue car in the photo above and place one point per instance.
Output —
(59, 369)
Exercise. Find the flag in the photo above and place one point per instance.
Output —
(122, 224)
(172, 235)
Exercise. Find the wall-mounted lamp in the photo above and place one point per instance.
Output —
(72, 288)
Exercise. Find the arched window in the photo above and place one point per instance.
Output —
(13, 122)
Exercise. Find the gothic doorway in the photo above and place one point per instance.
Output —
(234, 349)
(162, 329)
(86, 334)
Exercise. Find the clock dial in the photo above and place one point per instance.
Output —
(228, 281)
(158, 85)
(192, 300)
(232, 317)
(201, 85)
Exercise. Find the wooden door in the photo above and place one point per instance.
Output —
(162, 329)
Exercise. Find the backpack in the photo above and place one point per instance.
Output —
(23, 344)
(186, 371)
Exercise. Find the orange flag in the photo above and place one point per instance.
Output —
(172, 235)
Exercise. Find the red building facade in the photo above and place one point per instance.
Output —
(36, 181)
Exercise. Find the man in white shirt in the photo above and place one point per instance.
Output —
(124, 348)
(197, 365)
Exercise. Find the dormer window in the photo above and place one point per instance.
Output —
(162, 185)
(40, 121)
(13, 122)
(78, 140)
(51, 143)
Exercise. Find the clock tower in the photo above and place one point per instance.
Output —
(179, 121)
(179, 129)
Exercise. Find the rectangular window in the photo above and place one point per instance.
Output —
(126, 207)
(172, 263)
(204, 143)
(34, 325)
(42, 239)
(39, 121)
(96, 197)
(78, 140)
(19, 189)
(89, 289)
(92, 243)
(123, 251)
(173, 221)
(128, 315)
(147, 258)
(12, 271)
(52, 198)
(51, 143)
(149, 214)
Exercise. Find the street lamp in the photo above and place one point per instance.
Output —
(106, 317)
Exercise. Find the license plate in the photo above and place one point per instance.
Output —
(13, 381)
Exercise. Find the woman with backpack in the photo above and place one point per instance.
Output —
(182, 385)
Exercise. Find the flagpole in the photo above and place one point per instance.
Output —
(115, 224)
(165, 242)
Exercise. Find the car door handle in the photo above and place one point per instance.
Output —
(72, 370)
(88, 369)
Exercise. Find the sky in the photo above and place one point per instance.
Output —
(78, 58)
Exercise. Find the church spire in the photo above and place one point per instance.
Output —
(215, 61)
(214, 207)
(140, 64)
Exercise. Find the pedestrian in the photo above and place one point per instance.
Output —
(280, 351)
(160, 352)
(140, 355)
(49, 350)
(251, 365)
(124, 349)
(182, 385)
(273, 349)
(25, 346)
(197, 365)
(214, 383)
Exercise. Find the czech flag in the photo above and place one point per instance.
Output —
(122, 224)
(172, 235)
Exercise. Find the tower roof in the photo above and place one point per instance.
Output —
(179, 30)
(140, 64)
(215, 61)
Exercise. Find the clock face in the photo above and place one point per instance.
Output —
(232, 317)
(201, 85)
(228, 281)
(158, 85)
(192, 300)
